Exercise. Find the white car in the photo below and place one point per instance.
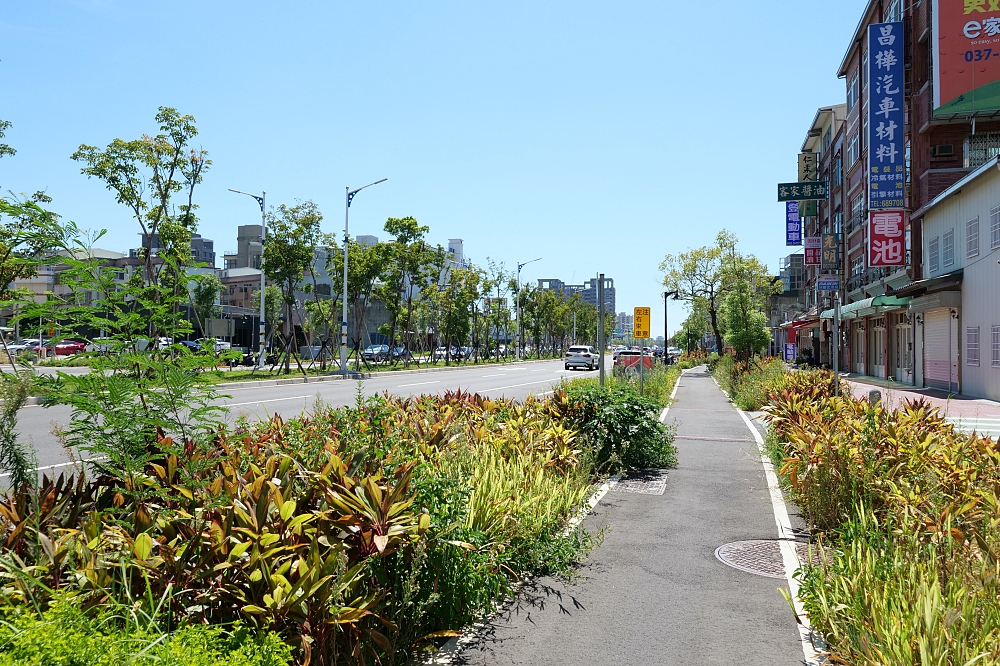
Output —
(582, 356)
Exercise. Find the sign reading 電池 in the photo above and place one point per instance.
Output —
(886, 159)
(966, 50)
(886, 238)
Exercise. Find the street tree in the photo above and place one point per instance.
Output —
(293, 232)
(204, 296)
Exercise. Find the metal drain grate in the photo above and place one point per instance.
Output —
(642, 486)
(761, 557)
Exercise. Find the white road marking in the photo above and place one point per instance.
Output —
(67, 464)
(786, 540)
(261, 402)
(677, 385)
(542, 370)
(418, 384)
(502, 374)
(500, 388)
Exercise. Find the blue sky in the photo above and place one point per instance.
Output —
(599, 136)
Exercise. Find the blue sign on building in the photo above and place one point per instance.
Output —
(790, 351)
(886, 159)
(793, 224)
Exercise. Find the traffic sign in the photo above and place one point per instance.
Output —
(641, 323)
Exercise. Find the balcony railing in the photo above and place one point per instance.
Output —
(868, 277)
(857, 221)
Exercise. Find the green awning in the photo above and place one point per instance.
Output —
(868, 306)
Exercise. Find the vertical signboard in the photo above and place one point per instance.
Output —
(641, 323)
(793, 224)
(966, 49)
(830, 259)
(886, 161)
(813, 251)
(807, 166)
(790, 352)
(886, 246)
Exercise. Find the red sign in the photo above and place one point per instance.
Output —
(966, 56)
(886, 238)
(814, 251)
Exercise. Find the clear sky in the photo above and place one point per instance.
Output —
(599, 136)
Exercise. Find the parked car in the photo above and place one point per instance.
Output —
(582, 356)
(442, 352)
(628, 361)
(376, 353)
(68, 347)
(218, 345)
(401, 354)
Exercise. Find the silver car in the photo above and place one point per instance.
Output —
(581, 356)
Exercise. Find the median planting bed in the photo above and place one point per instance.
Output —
(345, 536)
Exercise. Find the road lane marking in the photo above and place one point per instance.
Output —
(786, 540)
(502, 374)
(260, 402)
(66, 464)
(500, 388)
(418, 384)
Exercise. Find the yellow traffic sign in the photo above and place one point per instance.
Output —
(640, 321)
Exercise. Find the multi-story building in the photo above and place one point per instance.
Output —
(587, 291)
(249, 247)
(202, 249)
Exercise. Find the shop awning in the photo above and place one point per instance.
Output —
(868, 306)
(929, 285)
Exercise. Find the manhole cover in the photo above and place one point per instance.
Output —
(761, 557)
(642, 486)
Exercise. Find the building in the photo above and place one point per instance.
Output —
(587, 290)
(953, 311)
(202, 249)
(625, 323)
(788, 316)
(249, 247)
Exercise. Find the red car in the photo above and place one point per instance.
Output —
(67, 347)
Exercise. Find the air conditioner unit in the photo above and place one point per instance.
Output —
(945, 150)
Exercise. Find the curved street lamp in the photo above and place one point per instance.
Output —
(347, 237)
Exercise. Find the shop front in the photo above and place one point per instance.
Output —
(938, 317)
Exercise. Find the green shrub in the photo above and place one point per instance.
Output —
(748, 384)
(620, 428)
(66, 636)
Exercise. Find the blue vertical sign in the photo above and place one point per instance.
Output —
(793, 224)
(886, 161)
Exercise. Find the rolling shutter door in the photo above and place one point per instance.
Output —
(937, 361)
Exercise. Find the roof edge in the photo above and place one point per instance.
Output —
(842, 72)
(954, 189)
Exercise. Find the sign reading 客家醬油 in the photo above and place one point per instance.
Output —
(886, 159)
(966, 50)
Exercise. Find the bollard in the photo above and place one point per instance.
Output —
(874, 397)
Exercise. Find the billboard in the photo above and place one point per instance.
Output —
(793, 224)
(886, 152)
(886, 241)
(830, 259)
(641, 325)
(966, 56)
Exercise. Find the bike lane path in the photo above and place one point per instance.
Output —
(653, 592)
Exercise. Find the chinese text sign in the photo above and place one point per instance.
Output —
(966, 50)
(886, 161)
(831, 253)
(886, 238)
(793, 224)
(813, 251)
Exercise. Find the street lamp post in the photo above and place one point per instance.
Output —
(263, 233)
(666, 330)
(517, 297)
(343, 322)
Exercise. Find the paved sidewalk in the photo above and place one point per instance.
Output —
(969, 414)
(654, 592)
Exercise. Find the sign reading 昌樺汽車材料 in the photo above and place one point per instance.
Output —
(790, 351)
(640, 323)
(793, 224)
(886, 238)
(830, 258)
(828, 283)
(966, 51)
(886, 159)
(803, 191)
(813, 250)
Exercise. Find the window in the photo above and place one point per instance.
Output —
(972, 345)
(972, 238)
(948, 249)
(980, 148)
(858, 207)
(864, 70)
(838, 172)
(864, 132)
(995, 228)
(894, 12)
(838, 223)
(853, 150)
(852, 91)
(934, 255)
(857, 266)
(827, 139)
(996, 346)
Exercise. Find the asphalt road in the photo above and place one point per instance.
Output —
(36, 424)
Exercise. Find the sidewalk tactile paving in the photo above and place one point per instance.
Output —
(761, 557)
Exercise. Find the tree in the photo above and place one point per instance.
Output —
(289, 251)
(273, 303)
(365, 265)
(4, 148)
(204, 295)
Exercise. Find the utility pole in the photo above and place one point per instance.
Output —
(517, 300)
(836, 343)
(263, 234)
(600, 321)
